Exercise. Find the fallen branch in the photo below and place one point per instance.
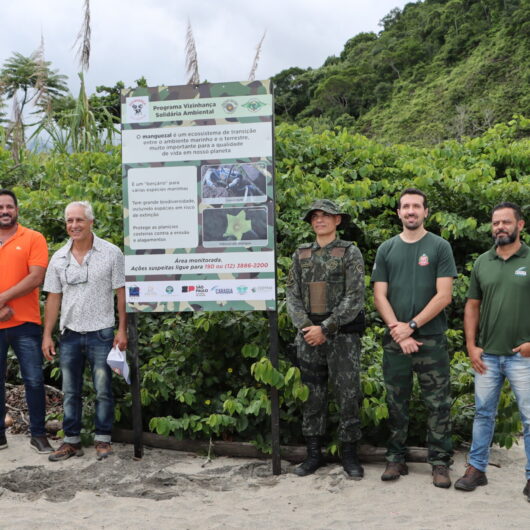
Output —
(367, 453)
(54, 390)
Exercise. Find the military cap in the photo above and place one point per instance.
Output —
(329, 207)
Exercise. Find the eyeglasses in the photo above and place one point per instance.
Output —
(77, 275)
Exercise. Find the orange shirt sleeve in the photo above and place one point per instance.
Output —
(39, 251)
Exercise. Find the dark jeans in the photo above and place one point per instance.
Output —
(75, 350)
(25, 340)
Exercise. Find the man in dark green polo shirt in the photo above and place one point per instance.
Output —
(497, 308)
(413, 276)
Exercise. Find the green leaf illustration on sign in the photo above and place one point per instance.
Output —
(254, 105)
(237, 225)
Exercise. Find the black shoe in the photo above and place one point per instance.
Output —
(471, 479)
(41, 445)
(314, 458)
(3, 441)
(350, 462)
(526, 490)
(394, 470)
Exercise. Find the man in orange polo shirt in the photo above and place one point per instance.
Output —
(23, 261)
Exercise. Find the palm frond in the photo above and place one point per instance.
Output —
(41, 74)
(192, 62)
(252, 74)
(15, 130)
(83, 39)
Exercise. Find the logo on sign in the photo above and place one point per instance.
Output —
(254, 105)
(138, 108)
(221, 290)
(188, 288)
(230, 106)
(262, 289)
(169, 289)
(242, 289)
(134, 291)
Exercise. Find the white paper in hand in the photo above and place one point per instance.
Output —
(117, 360)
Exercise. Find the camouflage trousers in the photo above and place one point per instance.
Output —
(431, 365)
(336, 361)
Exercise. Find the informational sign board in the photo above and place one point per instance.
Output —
(198, 193)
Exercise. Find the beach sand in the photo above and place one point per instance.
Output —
(169, 489)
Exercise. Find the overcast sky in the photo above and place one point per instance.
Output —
(131, 38)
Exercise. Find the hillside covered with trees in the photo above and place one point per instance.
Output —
(438, 69)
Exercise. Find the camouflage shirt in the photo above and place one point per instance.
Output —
(340, 265)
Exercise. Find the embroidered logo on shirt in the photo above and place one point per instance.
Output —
(18, 248)
(521, 271)
(423, 261)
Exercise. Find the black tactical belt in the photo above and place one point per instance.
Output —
(357, 325)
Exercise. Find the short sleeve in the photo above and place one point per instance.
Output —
(118, 270)
(38, 255)
(446, 261)
(52, 280)
(474, 291)
(379, 271)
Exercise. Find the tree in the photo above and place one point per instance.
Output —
(30, 80)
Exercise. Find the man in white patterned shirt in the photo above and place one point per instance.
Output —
(81, 279)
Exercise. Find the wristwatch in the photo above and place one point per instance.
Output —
(325, 330)
(413, 325)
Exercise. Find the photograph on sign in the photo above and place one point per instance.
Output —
(231, 227)
(234, 183)
(198, 190)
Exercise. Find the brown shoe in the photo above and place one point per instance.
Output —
(103, 449)
(440, 476)
(471, 479)
(66, 451)
(526, 490)
(394, 470)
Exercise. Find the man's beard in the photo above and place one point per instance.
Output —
(12, 221)
(415, 223)
(505, 239)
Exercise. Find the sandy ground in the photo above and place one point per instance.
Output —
(169, 489)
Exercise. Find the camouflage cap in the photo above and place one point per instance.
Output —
(329, 207)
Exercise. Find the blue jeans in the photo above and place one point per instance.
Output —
(75, 350)
(25, 340)
(487, 391)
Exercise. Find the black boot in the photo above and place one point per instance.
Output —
(350, 461)
(314, 458)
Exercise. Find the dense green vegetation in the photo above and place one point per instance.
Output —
(208, 374)
(439, 76)
(438, 69)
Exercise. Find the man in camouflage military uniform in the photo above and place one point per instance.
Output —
(325, 294)
(413, 276)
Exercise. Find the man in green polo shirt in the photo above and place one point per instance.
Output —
(497, 308)
(413, 277)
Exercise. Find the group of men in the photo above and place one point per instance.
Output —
(81, 280)
(412, 282)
